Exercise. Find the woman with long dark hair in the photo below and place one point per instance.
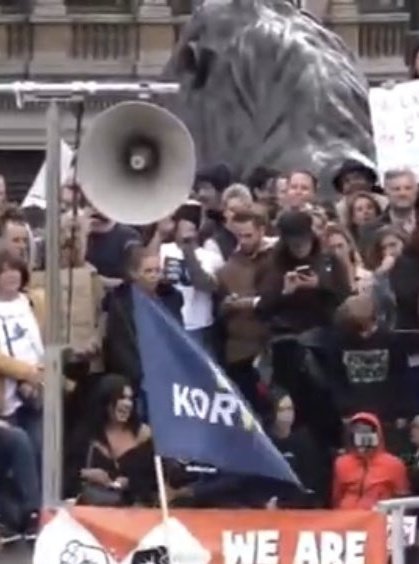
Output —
(361, 209)
(381, 256)
(117, 453)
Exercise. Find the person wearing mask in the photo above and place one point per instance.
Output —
(246, 335)
(367, 473)
(352, 177)
(106, 243)
(236, 198)
(120, 345)
(301, 190)
(192, 270)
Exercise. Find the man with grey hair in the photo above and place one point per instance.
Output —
(401, 188)
(401, 192)
(236, 198)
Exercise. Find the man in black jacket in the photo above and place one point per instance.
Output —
(302, 286)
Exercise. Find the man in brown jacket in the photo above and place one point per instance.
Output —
(245, 333)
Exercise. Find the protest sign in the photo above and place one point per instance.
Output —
(113, 536)
(395, 121)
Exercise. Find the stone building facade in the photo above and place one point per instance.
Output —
(129, 39)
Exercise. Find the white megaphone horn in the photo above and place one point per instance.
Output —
(136, 163)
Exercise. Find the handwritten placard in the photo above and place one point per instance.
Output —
(80, 325)
(395, 121)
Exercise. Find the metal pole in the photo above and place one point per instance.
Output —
(397, 537)
(55, 93)
(52, 428)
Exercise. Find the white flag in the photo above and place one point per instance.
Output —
(36, 195)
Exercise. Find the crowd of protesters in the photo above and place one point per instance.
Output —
(310, 306)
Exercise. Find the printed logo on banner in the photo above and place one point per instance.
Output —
(157, 555)
(217, 537)
(77, 553)
(64, 541)
(184, 547)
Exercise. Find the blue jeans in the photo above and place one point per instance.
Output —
(19, 483)
(30, 420)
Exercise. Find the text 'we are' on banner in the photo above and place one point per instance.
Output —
(119, 536)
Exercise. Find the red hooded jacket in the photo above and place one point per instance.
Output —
(362, 480)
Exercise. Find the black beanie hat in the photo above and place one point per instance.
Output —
(350, 166)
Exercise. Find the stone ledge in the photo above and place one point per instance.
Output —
(369, 18)
(64, 67)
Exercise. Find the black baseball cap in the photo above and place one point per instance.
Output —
(295, 224)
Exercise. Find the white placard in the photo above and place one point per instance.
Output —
(36, 195)
(395, 121)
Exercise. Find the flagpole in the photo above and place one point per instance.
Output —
(164, 505)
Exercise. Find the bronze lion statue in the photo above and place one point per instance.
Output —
(265, 84)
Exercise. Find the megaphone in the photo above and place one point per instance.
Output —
(136, 163)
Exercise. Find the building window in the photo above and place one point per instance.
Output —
(12, 6)
(181, 7)
(107, 6)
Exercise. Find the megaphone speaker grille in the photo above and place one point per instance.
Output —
(136, 163)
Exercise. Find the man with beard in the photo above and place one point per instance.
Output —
(246, 335)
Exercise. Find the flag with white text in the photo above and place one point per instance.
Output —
(195, 411)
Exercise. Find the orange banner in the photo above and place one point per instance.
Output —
(245, 537)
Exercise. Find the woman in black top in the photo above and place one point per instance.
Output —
(117, 452)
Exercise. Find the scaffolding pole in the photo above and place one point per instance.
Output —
(52, 95)
(53, 412)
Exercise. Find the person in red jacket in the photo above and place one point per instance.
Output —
(367, 473)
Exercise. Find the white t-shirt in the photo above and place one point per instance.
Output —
(197, 305)
(20, 337)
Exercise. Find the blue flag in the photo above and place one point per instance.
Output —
(195, 411)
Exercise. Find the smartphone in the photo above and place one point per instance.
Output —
(304, 270)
